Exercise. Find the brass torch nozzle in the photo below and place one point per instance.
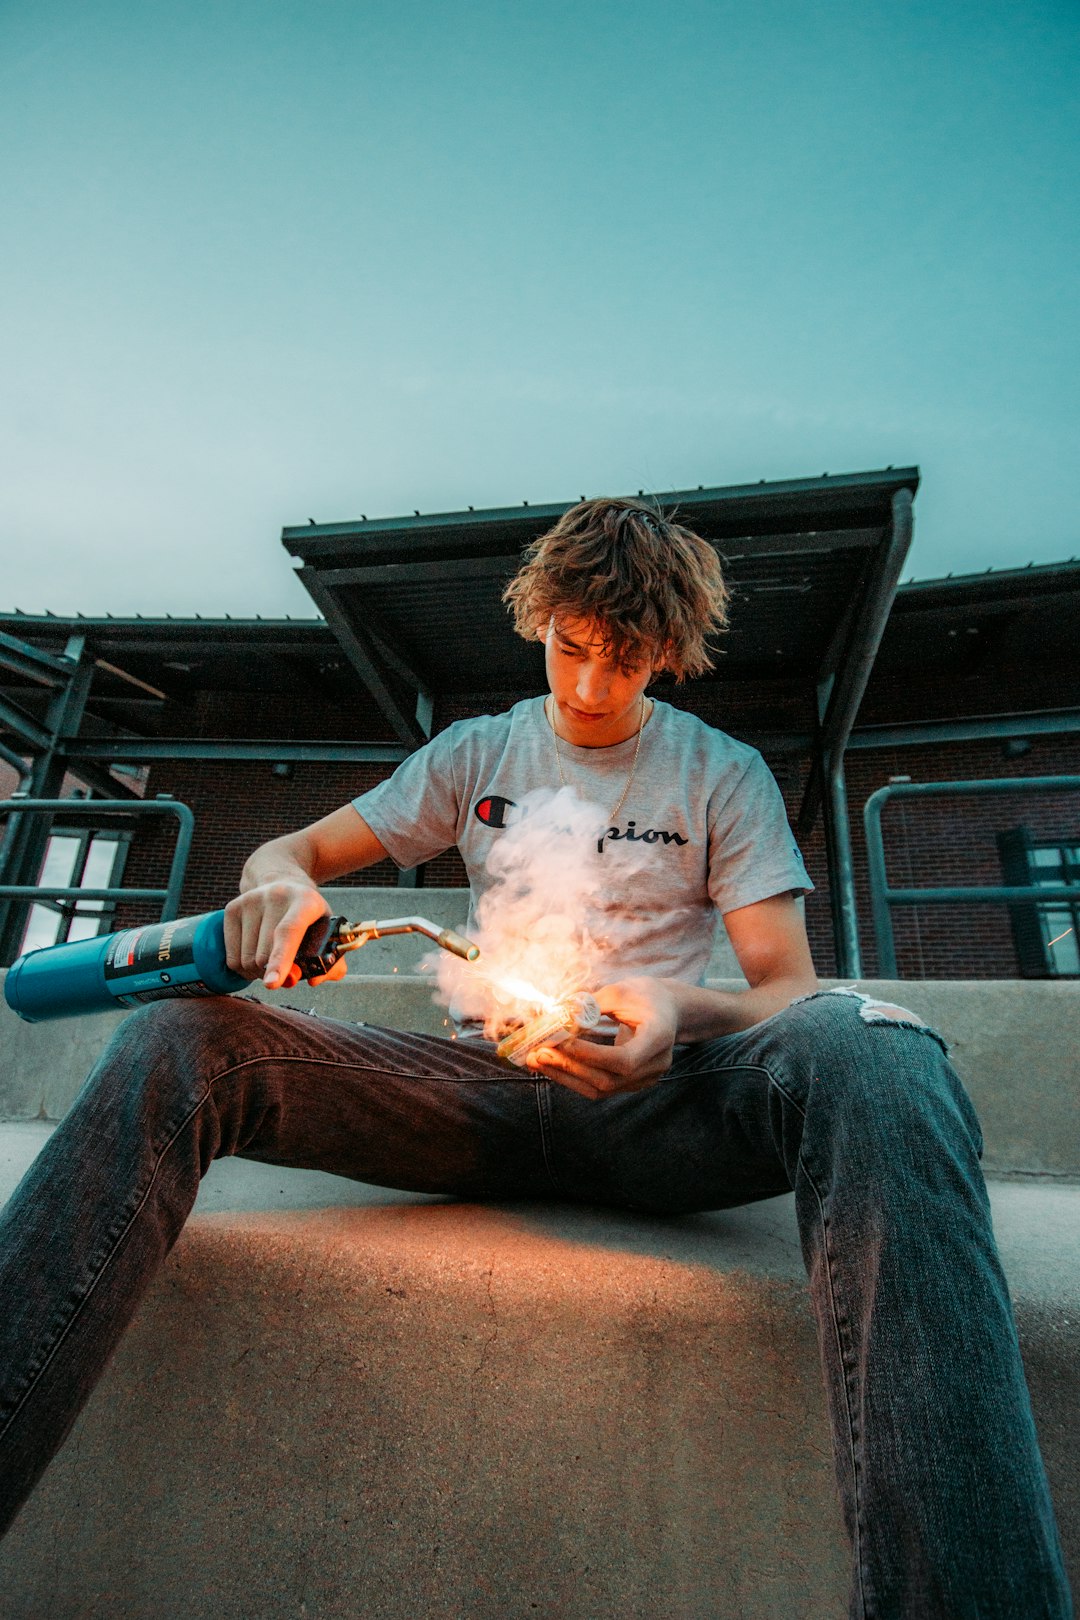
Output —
(353, 935)
(459, 945)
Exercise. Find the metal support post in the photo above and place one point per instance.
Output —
(838, 705)
(845, 916)
(28, 836)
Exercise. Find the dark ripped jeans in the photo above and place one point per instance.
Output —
(942, 1486)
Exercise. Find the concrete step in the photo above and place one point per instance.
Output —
(339, 1401)
(1015, 1045)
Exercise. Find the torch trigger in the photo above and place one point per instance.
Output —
(320, 947)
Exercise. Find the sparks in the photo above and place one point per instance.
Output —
(1060, 937)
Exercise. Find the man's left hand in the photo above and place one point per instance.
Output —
(642, 1053)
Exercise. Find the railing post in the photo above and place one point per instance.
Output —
(91, 809)
(875, 864)
(883, 898)
(24, 846)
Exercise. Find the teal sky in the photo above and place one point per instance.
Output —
(271, 261)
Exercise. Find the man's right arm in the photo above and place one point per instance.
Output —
(279, 895)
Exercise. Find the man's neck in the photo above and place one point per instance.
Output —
(581, 737)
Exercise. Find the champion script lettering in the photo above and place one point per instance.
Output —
(651, 835)
(496, 812)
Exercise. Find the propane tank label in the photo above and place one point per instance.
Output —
(163, 992)
(154, 963)
(161, 948)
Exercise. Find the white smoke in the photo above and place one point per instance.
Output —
(550, 917)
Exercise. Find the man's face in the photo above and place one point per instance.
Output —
(597, 703)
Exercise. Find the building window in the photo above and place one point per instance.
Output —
(76, 858)
(1047, 936)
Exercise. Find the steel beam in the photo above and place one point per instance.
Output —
(435, 568)
(15, 717)
(841, 866)
(133, 750)
(1056, 894)
(99, 781)
(31, 891)
(15, 760)
(974, 730)
(155, 692)
(830, 492)
(30, 670)
(31, 660)
(362, 655)
(923, 732)
(392, 658)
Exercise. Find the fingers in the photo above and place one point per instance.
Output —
(598, 1071)
(286, 942)
(614, 1000)
(264, 927)
(563, 1077)
(338, 971)
(242, 937)
(264, 949)
(233, 934)
(278, 950)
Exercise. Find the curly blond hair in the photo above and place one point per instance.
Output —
(654, 590)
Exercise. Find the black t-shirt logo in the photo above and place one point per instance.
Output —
(492, 810)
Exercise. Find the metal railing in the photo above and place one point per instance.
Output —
(83, 812)
(883, 898)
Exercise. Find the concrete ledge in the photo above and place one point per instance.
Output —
(394, 1407)
(1014, 1043)
(402, 1406)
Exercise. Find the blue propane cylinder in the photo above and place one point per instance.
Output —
(181, 958)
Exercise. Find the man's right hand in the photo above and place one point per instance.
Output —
(264, 927)
(279, 898)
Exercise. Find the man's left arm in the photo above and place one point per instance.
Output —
(769, 940)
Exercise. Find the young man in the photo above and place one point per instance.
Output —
(713, 1099)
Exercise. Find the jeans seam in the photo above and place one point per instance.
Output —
(266, 1057)
(839, 1338)
(547, 1141)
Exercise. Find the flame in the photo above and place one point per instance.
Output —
(509, 988)
(548, 924)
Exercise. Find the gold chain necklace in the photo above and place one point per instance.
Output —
(633, 763)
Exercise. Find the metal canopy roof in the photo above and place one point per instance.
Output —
(416, 601)
(1001, 619)
(142, 663)
(990, 624)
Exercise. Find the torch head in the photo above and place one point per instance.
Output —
(458, 945)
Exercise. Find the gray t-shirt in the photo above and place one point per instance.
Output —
(702, 831)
